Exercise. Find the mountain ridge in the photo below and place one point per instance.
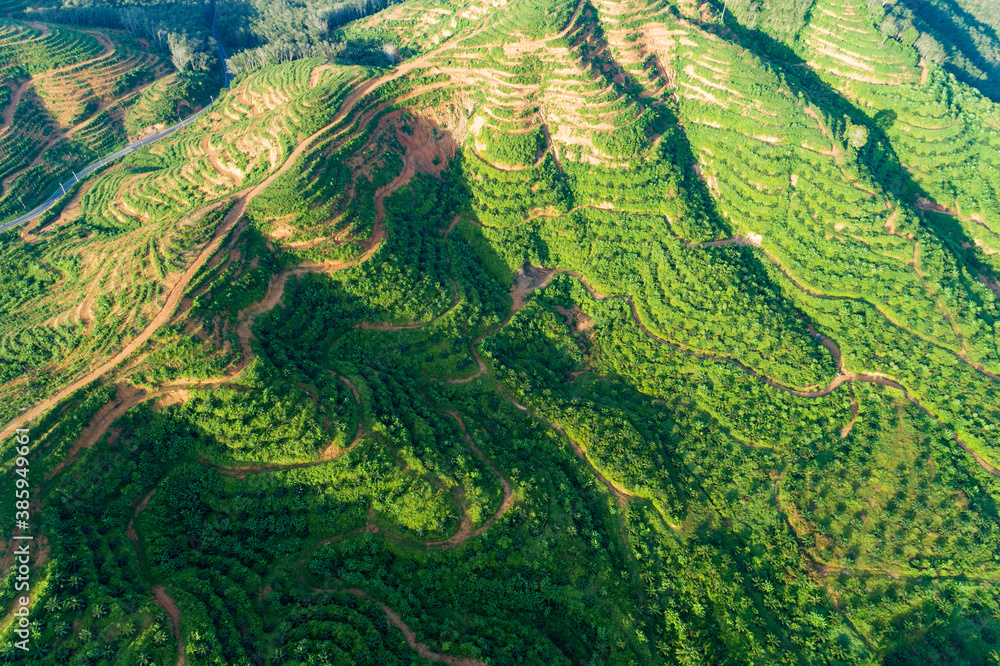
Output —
(681, 339)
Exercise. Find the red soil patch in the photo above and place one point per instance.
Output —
(8, 114)
(164, 601)
(127, 398)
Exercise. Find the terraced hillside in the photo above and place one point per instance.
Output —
(65, 98)
(591, 332)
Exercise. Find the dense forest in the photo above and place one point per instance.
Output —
(199, 35)
(542, 332)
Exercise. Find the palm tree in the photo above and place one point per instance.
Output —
(688, 655)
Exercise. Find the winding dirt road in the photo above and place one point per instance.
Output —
(164, 601)
(739, 240)
(744, 241)
(465, 531)
(387, 326)
(8, 114)
(408, 634)
(620, 493)
(243, 200)
(843, 375)
(126, 398)
(331, 452)
(276, 288)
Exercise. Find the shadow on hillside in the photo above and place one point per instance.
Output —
(952, 29)
(594, 49)
(892, 177)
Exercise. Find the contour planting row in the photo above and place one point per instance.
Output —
(841, 41)
(69, 95)
(948, 138)
(808, 171)
(28, 52)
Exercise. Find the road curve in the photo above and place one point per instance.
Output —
(242, 200)
(843, 374)
(101, 163)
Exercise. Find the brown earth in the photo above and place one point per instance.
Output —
(465, 531)
(243, 199)
(164, 601)
(927, 204)
(386, 326)
(537, 277)
(130, 530)
(127, 397)
(843, 375)
(846, 430)
(795, 283)
(8, 114)
(349, 384)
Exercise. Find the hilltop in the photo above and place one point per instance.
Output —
(559, 332)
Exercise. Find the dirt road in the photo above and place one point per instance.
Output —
(408, 634)
(243, 200)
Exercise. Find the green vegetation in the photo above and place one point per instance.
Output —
(532, 19)
(610, 333)
(73, 93)
(520, 149)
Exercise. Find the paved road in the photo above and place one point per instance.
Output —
(222, 52)
(48, 203)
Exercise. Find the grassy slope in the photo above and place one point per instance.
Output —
(730, 430)
(72, 97)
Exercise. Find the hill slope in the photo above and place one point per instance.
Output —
(66, 98)
(597, 332)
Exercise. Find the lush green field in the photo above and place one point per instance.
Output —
(597, 333)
